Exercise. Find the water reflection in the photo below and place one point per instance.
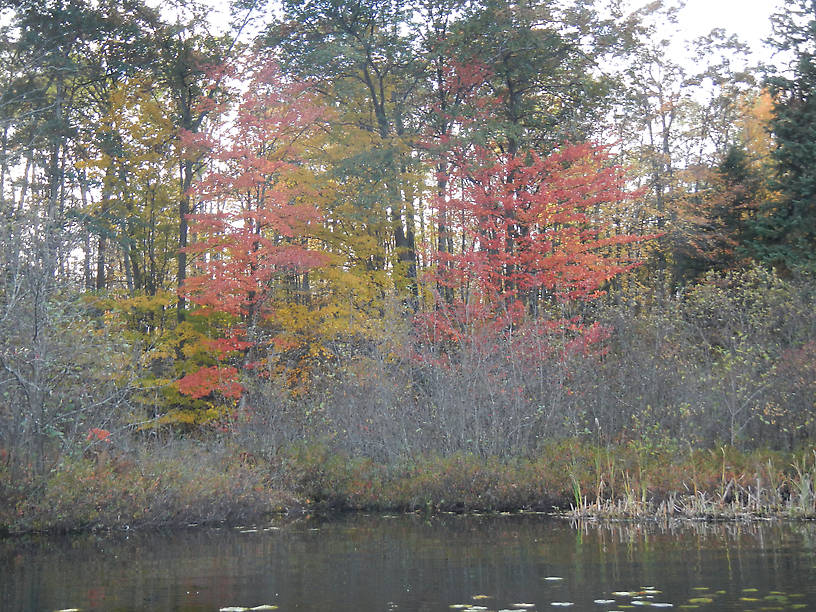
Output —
(412, 563)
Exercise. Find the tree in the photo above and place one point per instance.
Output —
(528, 233)
(360, 60)
(722, 234)
(136, 170)
(679, 122)
(253, 246)
(60, 54)
(543, 62)
(786, 229)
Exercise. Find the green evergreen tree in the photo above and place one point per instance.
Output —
(786, 229)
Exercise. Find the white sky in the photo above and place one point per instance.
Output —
(748, 19)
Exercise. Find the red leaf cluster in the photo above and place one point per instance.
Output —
(529, 230)
(255, 240)
(205, 381)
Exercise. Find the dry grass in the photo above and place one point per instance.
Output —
(182, 483)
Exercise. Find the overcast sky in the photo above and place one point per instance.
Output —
(748, 19)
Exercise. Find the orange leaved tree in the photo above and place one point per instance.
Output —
(252, 249)
(529, 233)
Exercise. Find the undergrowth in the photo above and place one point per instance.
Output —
(181, 483)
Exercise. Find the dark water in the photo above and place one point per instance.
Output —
(360, 563)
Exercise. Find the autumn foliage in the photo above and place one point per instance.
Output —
(252, 248)
(528, 232)
(399, 229)
(524, 230)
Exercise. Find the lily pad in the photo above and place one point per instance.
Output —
(776, 597)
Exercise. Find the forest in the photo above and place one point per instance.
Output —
(442, 254)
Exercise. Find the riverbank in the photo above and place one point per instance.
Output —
(182, 483)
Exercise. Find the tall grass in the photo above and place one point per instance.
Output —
(181, 483)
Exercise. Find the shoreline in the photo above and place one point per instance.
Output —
(287, 519)
(160, 488)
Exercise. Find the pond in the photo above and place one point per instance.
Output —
(448, 562)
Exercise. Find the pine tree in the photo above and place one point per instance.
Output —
(786, 229)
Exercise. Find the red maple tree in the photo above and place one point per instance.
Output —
(519, 229)
(252, 244)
